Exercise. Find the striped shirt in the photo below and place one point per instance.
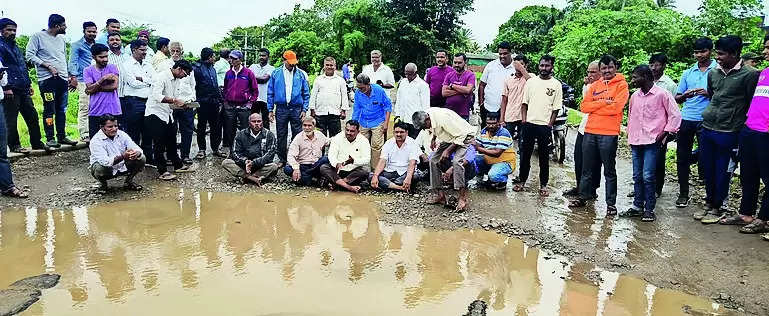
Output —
(501, 140)
(118, 60)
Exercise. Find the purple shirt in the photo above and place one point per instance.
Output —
(460, 103)
(102, 102)
(758, 113)
(434, 77)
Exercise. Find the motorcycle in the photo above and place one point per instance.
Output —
(560, 129)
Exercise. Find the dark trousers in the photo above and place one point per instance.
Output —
(659, 173)
(208, 114)
(644, 175)
(715, 152)
(54, 93)
(6, 177)
(164, 141)
(285, 114)
(754, 157)
(514, 128)
(329, 124)
(687, 133)
(134, 125)
(351, 177)
(261, 107)
(578, 162)
(307, 171)
(185, 123)
(21, 102)
(601, 148)
(539, 134)
(233, 119)
(93, 124)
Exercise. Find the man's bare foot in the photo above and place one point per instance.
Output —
(256, 180)
(354, 188)
(461, 205)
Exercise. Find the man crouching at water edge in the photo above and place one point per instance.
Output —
(451, 135)
(114, 154)
(348, 158)
(397, 165)
(252, 153)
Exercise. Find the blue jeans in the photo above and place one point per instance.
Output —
(497, 172)
(754, 158)
(185, 120)
(715, 152)
(134, 126)
(285, 114)
(307, 171)
(644, 174)
(6, 177)
(54, 94)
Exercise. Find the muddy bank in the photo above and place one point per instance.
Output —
(673, 253)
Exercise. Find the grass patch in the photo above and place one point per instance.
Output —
(71, 126)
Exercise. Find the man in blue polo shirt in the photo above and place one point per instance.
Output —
(79, 59)
(692, 92)
(372, 109)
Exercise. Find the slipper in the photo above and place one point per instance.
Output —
(756, 227)
(577, 203)
(544, 193)
(611, 210)
(201, 155)
(167, 176)
(15, 193)
(518, 188)
(733, 220)
(765, 237)
(132, 186)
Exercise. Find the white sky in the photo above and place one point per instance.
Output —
(197, 23)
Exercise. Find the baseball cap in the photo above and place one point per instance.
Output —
(290, 57)
(236, 54)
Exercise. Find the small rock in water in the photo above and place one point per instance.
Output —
(43, 281)
(14, 301)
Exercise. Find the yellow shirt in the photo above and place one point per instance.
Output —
(542, 97)
(448, 126)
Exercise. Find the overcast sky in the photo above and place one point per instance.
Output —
(197, 24)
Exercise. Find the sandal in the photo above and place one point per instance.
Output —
(518, 188)
(16, 193)
(756, 227)
(167, 176)
(543, 192)
(201, 155)
(577, 203)
(132, 186)
(733, 220)
(611, 210)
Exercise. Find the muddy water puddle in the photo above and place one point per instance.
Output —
(234, 254)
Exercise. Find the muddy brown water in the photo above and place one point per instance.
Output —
(202, 253)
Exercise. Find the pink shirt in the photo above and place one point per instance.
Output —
(650, 115)
(305, 151)
(758, 113)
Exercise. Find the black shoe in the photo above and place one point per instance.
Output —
(187, 161)
(19, 149)
(633, 212)
(649, 216)
(516, 180)
(572, 192)
(631, 194)
(683, 201)
(53, 144)
(67, 141)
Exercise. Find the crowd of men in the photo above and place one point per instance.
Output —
(135, 100)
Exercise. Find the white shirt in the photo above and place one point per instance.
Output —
(494, 76)
(104, 150)
(383, 73)
(222, 66)
(119, 61)
(341, 149)
(288, 79)
(133, 87)
(397, 158)
(329, 95)
(412, 96)
(187, 87)
(166, 85)
(425, 140)
(3, 82)
(259, 71)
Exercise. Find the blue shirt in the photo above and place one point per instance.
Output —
(693, 78)
(346, 72)
(79, 58)
(102, 39)
(372, 110)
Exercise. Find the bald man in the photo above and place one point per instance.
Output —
(413, 95)
(252, 153)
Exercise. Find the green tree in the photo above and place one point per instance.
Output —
(129, 31)
(528, 30)
(736, 17)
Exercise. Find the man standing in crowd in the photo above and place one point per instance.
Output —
(458, 88)
(731, 88)
(397, 167)
(372, 109)
(101, 80)
(114, 154)
(750, 59)
(496, 155)
(162, 59)
(79, 60)
(222, 66)
(144, 36)
(47, 50)
(593, 75)
(116, 56)
(346, 70)
(451, 136)
(240, 92)
(349, 155)
(542, 99)
(512, 96)
(413, 95)
(646, 136)
(210, 99)
(305, 154)
(604, 102)
(159, 121)
(17, 92)
(435, 77)
(380, 73)
(7, 188)
(328, 100)
(493, 81)
(262, 71)
(253, 152)
(692, 92)
(184, 118)
(138, 78)
(288, 98)
(112, 27)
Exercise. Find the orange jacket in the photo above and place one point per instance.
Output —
(604, 118)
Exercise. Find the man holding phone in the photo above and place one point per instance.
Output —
(692, 92)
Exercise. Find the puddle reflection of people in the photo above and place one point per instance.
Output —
(252, 153)
(396, 169)
(349, 156)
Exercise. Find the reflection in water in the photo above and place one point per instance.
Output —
(231, 254)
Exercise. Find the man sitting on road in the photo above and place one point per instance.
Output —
(496, 155)
(252, 153)
(349, 156)
(114, 154)
(396, 169)
(305, 154)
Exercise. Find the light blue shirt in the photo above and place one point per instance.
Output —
(370, 111)
(693, 78)
(79, 58)
(102, 39)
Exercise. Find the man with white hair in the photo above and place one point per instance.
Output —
(380, 73)
(185, 118)
(413, 95)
